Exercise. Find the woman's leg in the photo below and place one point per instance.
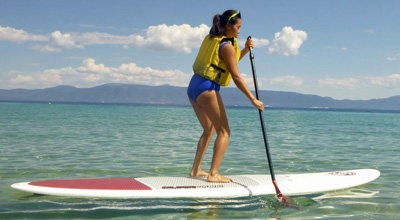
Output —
(205, 139)
(212, 104)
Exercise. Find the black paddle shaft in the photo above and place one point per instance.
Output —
(271, 169)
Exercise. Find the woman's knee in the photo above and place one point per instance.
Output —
(209, 132)
(224, 132)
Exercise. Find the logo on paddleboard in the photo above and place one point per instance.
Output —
(342, 173)
(193, 187)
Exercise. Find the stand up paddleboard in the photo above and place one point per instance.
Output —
(187, 187)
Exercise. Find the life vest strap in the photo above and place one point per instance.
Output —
(231, 39)
(217, 68)
(220, 71)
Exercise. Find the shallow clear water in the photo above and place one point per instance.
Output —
(66, 141)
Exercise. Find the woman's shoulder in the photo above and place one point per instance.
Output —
(226, 47)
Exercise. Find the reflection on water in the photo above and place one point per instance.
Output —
(205, 214)
(349, 193)
(50, 207)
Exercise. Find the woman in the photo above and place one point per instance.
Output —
(215, 65)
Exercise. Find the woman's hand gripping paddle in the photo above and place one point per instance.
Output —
(279, 194)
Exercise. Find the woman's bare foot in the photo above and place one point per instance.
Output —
(198, 173)
(218, 179)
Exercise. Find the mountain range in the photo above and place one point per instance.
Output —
(171, 95)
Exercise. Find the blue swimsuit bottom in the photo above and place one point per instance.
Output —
(199, 84)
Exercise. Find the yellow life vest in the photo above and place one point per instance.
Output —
(209, 65)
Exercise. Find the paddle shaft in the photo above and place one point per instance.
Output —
(271, 168)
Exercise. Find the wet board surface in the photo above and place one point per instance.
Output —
(187, 187)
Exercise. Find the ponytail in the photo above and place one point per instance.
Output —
(216, 29)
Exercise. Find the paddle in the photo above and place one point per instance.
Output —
(279, 194)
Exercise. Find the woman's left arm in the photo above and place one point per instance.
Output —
(249, 43)
(228, 55)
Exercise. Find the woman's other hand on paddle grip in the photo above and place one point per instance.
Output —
(249, 43)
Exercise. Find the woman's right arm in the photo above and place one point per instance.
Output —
(228, 55)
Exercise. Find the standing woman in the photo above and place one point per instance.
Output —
(216, 65)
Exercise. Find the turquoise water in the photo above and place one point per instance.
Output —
(66, 141)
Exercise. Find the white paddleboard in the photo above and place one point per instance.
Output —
(187, 187)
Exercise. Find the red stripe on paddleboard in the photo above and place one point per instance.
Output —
(102, 184)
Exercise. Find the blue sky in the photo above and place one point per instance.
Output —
(342, 49)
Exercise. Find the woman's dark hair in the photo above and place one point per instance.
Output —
(220, 21)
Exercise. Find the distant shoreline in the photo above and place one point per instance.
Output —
(133, 94)
(187, 106)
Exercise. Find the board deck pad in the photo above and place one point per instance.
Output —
(188, 187)
(196, 183)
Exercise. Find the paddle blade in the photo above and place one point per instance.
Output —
(279, 194)
(283, 199)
